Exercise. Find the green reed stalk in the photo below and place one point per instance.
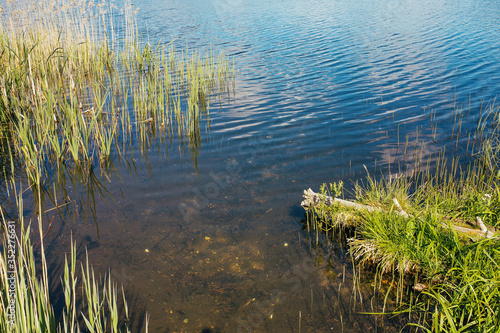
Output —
(31, 298)
(70, 88)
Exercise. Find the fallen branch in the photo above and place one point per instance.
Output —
(401, 211)
(481, 225)
(312, 199)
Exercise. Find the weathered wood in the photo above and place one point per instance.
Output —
(312, 199)
(473, 232)
(481, 225)
(401, 211)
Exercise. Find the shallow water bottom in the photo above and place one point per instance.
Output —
(253, 272)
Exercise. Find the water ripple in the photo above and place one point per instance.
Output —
(356, 69)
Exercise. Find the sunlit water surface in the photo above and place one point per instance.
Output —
(323, 87)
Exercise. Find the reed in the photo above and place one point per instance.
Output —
(72, 87)
(77, 87)
(97, 310)
(26, 304)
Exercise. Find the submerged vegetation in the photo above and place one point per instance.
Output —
(434, 230)
(78, 88)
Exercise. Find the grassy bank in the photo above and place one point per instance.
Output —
(429, 238)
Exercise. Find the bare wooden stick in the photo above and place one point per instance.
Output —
(312, 199)
(481, 224)
(473, 232)
(402, 212)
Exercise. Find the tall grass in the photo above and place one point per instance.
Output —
(78, 88)
(457, 274)
(73, 90)
(95, 309)
(91, 305)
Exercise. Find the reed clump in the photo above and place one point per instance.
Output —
(428, 230)
(91, 304)
(79, 88)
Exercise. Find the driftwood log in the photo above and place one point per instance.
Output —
(312, 199)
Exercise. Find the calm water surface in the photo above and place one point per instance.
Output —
(323, 88)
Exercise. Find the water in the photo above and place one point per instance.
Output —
(324, 88)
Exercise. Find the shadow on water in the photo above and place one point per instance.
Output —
(10, 171)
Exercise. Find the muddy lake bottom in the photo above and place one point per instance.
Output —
(242, 263)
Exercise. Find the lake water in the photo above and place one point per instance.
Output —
(216, 243)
